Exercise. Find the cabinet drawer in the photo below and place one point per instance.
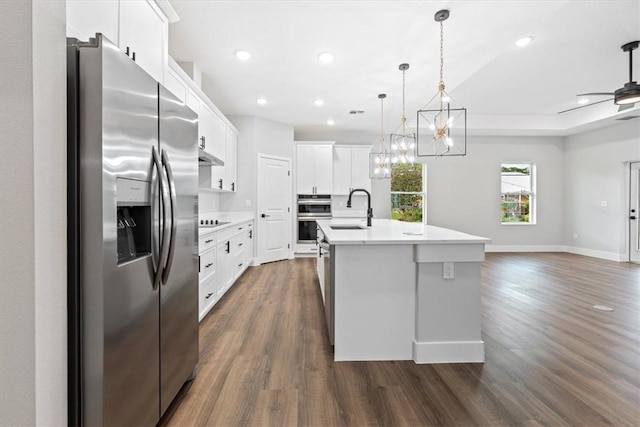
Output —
(208, 295)
(225, 234)
(206, 241)
(207, 264)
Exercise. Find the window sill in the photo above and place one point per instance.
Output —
(517, 223)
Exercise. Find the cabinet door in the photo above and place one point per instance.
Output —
(85, 18)
(305, 178)
(231, 162)
(341, 170)
(323, 167)
(142, 30)
(222, 268)
(218, 130)
(360, 168)
(249, 250)
(176, 85)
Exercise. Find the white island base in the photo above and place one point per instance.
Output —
(391, 301)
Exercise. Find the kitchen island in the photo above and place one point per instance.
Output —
(402, 291)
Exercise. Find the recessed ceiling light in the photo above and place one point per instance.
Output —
(524, 41)
(326, 57)
(331, 122)
(261, 101)
(583, 101)
(243, 55)
(318, 102)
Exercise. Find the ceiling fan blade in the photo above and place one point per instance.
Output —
(625, 107)
(596, 93)
(587, 105)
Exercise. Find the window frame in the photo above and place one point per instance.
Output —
(422, 193)
(532, 193)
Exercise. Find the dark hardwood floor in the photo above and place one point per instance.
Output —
(551, 359)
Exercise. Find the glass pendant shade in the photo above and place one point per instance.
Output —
(442, 131)
(403, 148)
(441, 124)
(403, 143)
(380, 158)
(380, 165)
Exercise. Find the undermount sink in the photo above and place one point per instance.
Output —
(347, 227)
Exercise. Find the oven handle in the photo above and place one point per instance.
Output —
(314, 202)
(312, 218)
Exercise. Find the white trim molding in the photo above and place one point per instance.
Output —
(611, 256)
(524, 248)
(448, 352)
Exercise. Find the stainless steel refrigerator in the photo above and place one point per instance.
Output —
(132, 237)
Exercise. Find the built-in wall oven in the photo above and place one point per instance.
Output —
(311, 207)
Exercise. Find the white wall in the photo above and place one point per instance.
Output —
(257, 135)
(33, 364)
(463, 193)
(595, 171)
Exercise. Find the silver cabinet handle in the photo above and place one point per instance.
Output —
(174, 223)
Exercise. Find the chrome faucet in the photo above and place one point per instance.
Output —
(369, 210)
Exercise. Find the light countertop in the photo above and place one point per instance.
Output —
(388, 232)
(232, 218)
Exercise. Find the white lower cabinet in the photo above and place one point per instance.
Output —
(227, 254)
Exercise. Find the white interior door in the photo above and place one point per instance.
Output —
(634, 213)
(274, 208)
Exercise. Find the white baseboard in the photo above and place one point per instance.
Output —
(448, 352)
(524, 248)
(611, 256)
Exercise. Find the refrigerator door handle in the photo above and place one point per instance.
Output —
(174, 223)
(164, 197)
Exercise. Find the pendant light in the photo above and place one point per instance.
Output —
(442, 125)
(380, 160)
(403, 144)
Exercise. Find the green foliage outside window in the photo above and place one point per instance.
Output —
(406, 179)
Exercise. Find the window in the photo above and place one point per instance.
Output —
(517, 186)
(407, 194)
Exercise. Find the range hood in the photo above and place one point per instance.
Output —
(207, 159)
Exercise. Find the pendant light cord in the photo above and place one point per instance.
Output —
(382, 123)
(441, 84)
(404, 117)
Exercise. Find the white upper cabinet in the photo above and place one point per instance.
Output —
(360, 168)
(137, 27)
(314, 165)
(305, 175)
(217, 145)
(178, 87)
(323, 169)
(350, 169)
(231, 161)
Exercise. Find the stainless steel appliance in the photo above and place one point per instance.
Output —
(311, 207)
(132, 238)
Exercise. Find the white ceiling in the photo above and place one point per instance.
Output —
(506, 89)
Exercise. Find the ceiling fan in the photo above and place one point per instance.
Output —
(627, 96)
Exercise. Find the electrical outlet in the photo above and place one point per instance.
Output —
(247, 203)
(447, 270)
(575, 235)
